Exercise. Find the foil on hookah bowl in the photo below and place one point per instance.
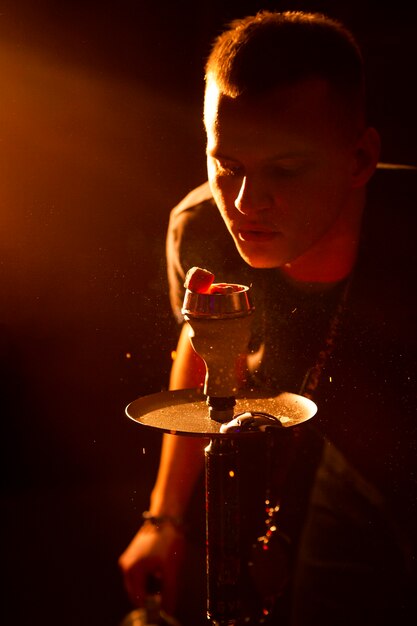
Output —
(237, 303)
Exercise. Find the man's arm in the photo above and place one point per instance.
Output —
(159, 551)
(182, 458)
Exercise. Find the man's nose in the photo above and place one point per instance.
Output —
(252, 197)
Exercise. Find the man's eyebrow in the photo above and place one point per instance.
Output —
(275, 157)
(291, 155)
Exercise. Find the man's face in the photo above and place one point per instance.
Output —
(279, 168)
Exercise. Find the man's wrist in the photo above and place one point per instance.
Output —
(162, 520)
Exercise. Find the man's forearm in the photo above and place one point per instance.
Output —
(182, 460)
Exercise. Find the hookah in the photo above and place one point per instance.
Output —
(219, 318)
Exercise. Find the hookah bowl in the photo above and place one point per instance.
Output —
(219, 334)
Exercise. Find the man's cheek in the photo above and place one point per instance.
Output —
(225, 196)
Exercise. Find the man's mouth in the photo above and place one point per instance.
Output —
(257, 235)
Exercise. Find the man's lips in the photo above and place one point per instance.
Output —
(255, 234)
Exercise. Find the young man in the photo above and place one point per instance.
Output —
(289, 158)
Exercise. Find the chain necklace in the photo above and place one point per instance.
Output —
(262, 554)
(313, 375)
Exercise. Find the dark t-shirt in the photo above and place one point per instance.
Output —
(366, 392)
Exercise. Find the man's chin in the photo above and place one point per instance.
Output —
(259, 259)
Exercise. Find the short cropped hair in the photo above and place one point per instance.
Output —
(259, 53)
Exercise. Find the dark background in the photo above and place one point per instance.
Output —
(100, 135)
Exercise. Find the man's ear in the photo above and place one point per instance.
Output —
(367, 151)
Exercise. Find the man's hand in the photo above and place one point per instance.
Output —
(154, 552)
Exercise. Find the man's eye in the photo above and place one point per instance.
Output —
(287, 168)
(227, 168)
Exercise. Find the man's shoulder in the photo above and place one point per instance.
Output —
(385, 276)
(198, 197)
(195, 220)
(389, 221)
(392, 194)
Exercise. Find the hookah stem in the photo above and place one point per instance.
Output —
(222, 531)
